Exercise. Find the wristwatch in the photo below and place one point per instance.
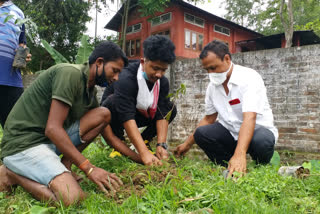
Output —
(163, 145)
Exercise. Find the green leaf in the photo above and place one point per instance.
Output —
(40, 210)
(275, 160)
(168, 116)
(170, 95)
(104, 142)
(315, 165)
(58, 58)
(84, 50)
(307, 165)
(8, 18)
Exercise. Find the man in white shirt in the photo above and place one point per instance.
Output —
(238, 117)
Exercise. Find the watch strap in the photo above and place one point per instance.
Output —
(163, 145)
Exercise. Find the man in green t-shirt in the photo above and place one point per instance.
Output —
(59, 114)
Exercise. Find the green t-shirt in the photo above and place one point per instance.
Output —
(26, 123)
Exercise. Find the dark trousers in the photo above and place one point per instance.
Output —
(219, 145)
(8, 97)
(148, 133)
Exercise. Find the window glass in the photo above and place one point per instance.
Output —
(189, 18)
(137, 27)
(200, 42)
(194, 41)
(132, 52)
(155, 21)
(138, 47)
(161, 19)
(129, 29)
(165, 17)
(133, 47)
(199, 21)
(222, 30)
(218, 28)
(187, 39)
(226, 31)
(193, 20)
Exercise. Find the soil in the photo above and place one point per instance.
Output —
(135, 181)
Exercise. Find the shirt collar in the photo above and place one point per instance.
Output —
(235, 78)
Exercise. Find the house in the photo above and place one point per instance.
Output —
(300, 38)
(189, 27)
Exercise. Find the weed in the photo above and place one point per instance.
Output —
(182, 186)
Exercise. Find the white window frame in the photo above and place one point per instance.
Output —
(194, 23)
(190, 40)
(161, 22)
(135, 31)
(214, 29)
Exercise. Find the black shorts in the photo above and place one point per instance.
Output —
(8, 96)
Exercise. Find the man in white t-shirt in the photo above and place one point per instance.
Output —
(238, 117)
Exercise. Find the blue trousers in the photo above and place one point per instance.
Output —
(219, 145)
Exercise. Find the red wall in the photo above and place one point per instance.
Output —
(177, 27)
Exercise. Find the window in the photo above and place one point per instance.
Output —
(193, 40)
(164, 33)
(133, 48)
(193, 20)
(223, 30)
(134, 28)
(164, 18)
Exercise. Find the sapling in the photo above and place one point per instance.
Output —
(173, 97)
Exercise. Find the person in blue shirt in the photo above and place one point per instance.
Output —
(11, 37)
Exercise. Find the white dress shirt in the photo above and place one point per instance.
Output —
(247, 93)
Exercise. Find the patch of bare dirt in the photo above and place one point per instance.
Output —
(135, 181)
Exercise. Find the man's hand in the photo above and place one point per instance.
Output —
(162, 153)
(237, 163)
(182, 149)
(149, 159)
(105, 180)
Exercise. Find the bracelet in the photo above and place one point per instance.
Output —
(84, 164)
(90, 171)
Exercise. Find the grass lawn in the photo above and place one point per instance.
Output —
(181, 186)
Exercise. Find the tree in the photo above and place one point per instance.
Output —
(61, 23)
(287, 24)
(263, 16)
(237, 11)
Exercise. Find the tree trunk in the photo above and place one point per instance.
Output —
(124, 23)
(288, 27)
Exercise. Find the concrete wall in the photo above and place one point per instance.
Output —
(292, 79)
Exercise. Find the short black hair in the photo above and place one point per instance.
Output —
(109, 51)
(217, 47)
(160, 48)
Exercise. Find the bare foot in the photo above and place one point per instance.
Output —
(6, 183)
